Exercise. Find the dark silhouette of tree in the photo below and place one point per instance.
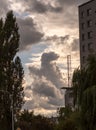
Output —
(67, 119)
(84, 84)
(28, 121)
(11, 71)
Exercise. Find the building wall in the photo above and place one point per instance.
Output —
(87, 30)
(69, 98)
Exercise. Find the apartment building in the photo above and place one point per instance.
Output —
(87, 30)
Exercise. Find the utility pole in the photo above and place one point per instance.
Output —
(69, 69)
(68, 88)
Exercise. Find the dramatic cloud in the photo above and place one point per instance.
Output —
(57, 39)
(62, 41)
(41, 6)
(45, 88)
(49, 69)
(47, 81)
(75, 45)
(28, 33)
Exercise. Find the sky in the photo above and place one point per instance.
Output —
(48, 34)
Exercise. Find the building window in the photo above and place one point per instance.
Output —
(90, 46)
(83, 59)
(83, 48)
(89, 12)
(83, 25)
(83, 37)
(90, 34)
(82, 14)
(89, 23)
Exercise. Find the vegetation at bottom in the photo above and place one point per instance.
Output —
(28, 121)
(81, 117)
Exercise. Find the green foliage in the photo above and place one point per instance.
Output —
(79, 85)
(88, 109)
(26, 116)
(28, 121)
(68, 119)
(63, 113)
(11, 70)
(84, 85)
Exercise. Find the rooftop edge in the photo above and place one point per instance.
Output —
(86, 3)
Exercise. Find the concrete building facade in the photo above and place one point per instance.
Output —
(69, 97)
(87, 30)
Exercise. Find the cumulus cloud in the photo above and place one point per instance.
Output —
(47, 58)
(47, 81)
(46, 88)
(28, 33)
(48, 69)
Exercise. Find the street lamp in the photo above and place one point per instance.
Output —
(11, 98)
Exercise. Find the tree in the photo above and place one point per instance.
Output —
(28, 121)
(84, 84)
(64, 112)
(88, 109)
(11, 70)
(79, 85)
(67, 119)
(25, 120)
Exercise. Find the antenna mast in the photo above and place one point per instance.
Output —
(69, 69)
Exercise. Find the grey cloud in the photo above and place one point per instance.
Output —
(55, 101)
(45, 88)
(47, 58)
(47, 81)
(28, 92)
(28, 33)
(41, 7)
(63, 14)
(71, 17)
(75, 45)
(48, 69)
(30, 105)
(28, 88)
(56, 9)
(67, 2)
(58, 39)
(47, 106)
(4, 7)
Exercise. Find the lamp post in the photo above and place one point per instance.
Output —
(11, 98)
